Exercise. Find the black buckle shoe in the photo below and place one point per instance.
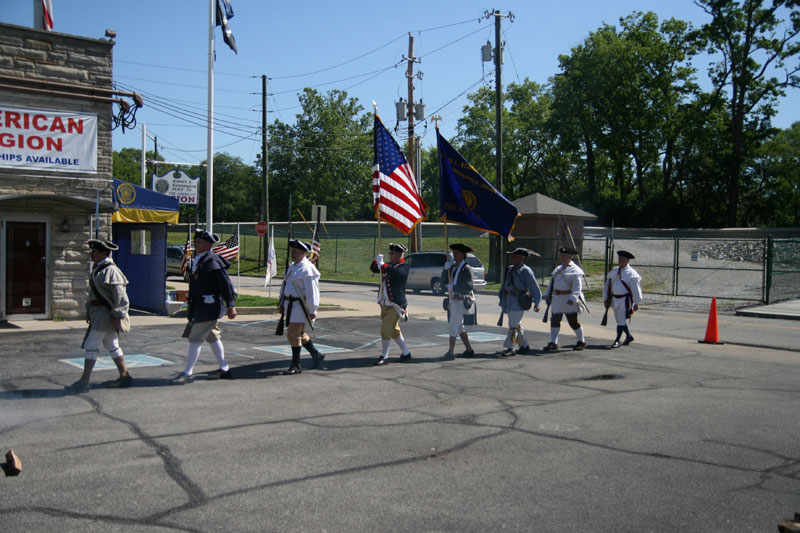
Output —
(294, 369)
(508, 352)
(551, 347)
(381, 361)
(122, 382)
(405, 357)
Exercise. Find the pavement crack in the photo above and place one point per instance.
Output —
(172, 465)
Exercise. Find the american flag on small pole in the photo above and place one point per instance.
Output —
(396, 199)
(229, 249)
(316, 247)
(187, 256)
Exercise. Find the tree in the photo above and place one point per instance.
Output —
(755, 45)
(325, 158)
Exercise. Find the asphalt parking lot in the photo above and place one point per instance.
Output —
(673, 436)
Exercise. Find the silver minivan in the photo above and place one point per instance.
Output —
(425, 271)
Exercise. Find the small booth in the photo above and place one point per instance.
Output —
(139, 228)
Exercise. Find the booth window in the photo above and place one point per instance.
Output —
(140, 242)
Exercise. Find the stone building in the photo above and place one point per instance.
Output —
(56, 105)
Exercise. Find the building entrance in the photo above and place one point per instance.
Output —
(26, 267)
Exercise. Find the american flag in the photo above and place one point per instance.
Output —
(316, 246)
(396, 199)
(187, 256)
(229, 249)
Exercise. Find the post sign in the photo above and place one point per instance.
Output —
(179, 185)
(41, 139)
(261, 228)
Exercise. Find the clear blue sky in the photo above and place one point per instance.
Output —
(162, 48)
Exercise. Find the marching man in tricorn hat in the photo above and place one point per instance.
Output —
(461, 300)
(623, 293)
(565, 297)
(392, 299)
(300, 300)
(107, 314)
(211, 297)
(518, 293)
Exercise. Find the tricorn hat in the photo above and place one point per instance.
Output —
(524, 252)
(213, 238)
(463, 248)
(623, 253)
(567, 250)
(300, 245)
(397, 247)
(102, 246)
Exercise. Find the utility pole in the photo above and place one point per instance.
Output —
(499, 256)
(264, 161)
(416, 236)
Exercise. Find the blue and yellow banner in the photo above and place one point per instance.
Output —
(139, 205)
(465, 197)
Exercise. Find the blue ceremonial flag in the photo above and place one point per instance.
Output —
(465, 197)
(224, 14)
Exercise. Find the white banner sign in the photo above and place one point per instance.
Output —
(41, 139)
(179, 185)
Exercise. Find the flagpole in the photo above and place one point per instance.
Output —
(238, 260)
(210, 125)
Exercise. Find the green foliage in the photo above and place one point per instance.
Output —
(624, 131)
(325, 158)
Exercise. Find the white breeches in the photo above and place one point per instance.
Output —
(618, 306)
(109, 339)
(455, 324)
(516, 333)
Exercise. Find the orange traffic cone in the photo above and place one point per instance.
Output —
(712, 332)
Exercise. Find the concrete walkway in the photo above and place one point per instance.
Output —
(789, 310)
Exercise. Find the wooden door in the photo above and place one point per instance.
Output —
(26, 267)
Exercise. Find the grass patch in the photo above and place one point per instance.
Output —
(246, 300)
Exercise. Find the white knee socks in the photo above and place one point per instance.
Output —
(219, 353)
(401, 342)
(191, 358)
(385, 345)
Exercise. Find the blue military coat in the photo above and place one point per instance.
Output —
(210, 289)
(393, 277)
(518, 280)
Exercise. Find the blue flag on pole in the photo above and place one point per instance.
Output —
(465, 197)
(224, 14)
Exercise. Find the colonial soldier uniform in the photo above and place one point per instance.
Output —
(300, 301)
(211, 296)
(518, 292)
(623, 293)
(392, 299)
(565, 297)
(107, 314)
(461, 298)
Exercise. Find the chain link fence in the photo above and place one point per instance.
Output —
(764, 270)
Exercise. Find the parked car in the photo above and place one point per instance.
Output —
(174, 261)
(425, 271)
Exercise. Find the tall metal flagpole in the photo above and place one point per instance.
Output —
(210, 126)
